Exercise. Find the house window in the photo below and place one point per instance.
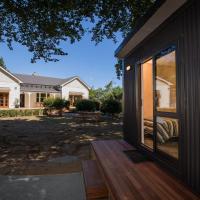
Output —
(40, 97)
(4, 100)
(74, 99)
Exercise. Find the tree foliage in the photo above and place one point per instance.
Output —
(119, 68)
(108, 92)
(42, 25)
(86, 105)
(111, 106)
(2, 63)
(57, 103)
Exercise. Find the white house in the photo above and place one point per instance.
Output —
(29, 91)
(163, 89)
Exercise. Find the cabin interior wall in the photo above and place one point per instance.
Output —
(147, 72)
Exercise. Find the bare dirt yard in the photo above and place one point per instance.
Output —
(51, 145)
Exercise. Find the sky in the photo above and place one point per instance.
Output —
(94, 64)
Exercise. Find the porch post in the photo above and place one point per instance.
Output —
(54, 95)
(29, 99)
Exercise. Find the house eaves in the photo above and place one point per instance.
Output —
(159, 13)
(12, 76)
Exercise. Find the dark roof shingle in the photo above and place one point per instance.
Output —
(41, 80)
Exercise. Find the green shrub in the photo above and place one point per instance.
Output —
(85, 105)
(37, 112)
(67, 104)
(21, 112)
(111, 106)
(14, 113)
(97, 105)
(28, 112)
(48, 103)
(58, 103)
(52, 104)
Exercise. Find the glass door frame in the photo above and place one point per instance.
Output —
(156, 113)
(173, 115)
(140, 93)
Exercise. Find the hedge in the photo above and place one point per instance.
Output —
(111, 106)
(21, 112)
(86, 105)
(56, 103)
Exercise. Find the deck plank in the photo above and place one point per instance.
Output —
(136, 181)
(94, 184)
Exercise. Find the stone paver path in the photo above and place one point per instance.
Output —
(49, 187)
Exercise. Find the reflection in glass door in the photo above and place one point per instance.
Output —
(147, 104)
(167, 128)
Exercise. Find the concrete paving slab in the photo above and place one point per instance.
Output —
(64, 159)
(48, 187)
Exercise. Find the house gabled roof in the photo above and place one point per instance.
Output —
(158, 14)
(164, 81)
(40, 80)
(66, 81)
(8, 73)
(44, 80)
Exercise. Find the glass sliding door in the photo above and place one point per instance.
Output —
(147, 104)
(166, 117)
(159, 115)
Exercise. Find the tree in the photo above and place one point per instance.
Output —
(2, 63)
(119, 68)
(108, 92)
(42, 25)
(117, 93)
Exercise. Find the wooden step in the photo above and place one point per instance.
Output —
(94, 185)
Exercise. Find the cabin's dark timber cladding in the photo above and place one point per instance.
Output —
(182, 29)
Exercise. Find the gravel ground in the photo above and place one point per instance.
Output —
(27, 144)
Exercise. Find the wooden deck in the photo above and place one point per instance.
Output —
(127, 180)
(95, 187)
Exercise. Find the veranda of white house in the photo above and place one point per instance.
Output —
(29, 91)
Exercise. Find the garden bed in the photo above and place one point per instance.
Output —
(19, 112)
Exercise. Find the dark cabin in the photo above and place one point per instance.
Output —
(161, 64)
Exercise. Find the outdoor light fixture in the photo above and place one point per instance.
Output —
(128, 68)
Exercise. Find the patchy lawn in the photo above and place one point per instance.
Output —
(49, 145)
